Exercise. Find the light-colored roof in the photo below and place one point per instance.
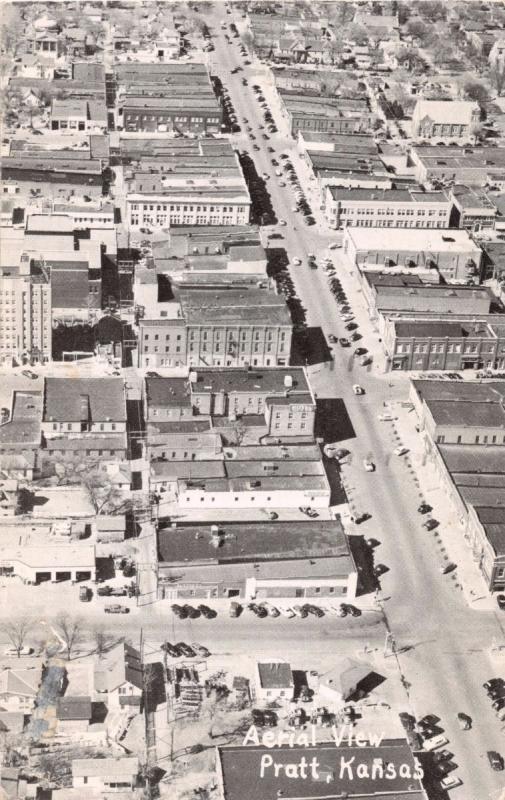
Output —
(105, 767)
(459, 112)
(423, 240)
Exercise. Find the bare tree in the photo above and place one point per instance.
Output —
(17, 631)
(102, 641)
(70, 630)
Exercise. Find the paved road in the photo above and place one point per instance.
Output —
(448, 659)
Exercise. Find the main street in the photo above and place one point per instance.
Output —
(445, 644)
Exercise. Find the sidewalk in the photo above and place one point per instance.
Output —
(448, 538)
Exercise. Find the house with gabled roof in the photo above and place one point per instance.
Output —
(19, 687)
(120, 675)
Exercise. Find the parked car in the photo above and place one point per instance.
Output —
(287, 612)
(104, 591)
(446, 568)
(385, 417)
(424, 508)
(200, 650)
(191, 612)
(400, 450)
(361, 518)
(179, 611)
(117, 609)
(235, 609)
(495, 760)
(260, 611)
(85, 594)
(500, 599)
(352, 610)
(368, 465)
(170, 650)
(24, 651)
(308, 511)
(29, 374)
(357, 389)
(434, 742)
(316, 611)
(300, 611)
(450, 781)
(208, 613)
(430, 524)
(185, 649)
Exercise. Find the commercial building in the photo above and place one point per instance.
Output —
(273, 681)
(25, 313)
(473, 208)
(281, 399)
(78, 115)
(326, 114)
(200, 182)
(93, 408)
(453, 253)
(389, 208)
(271, 480)
(471, 166)
(256, 560)
(403, 294)
(167, 98)
(446, 343)
(445, 120)
(36, 558)
(222, 328)
(463, 428)
(246, 772)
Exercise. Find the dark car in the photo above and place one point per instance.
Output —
(495, 760)
(170, 650)
(260, 611)
(424, 508)
(185, 650)
(430, 524)
(104, 591)
(351, 326)
(344, 342)
(352, 610)
(493, 683)
(500, 599)
(191, 612)
(270, 718)
(151, 374)
(208, 613)
(360, 351)
(179, 611)
(315, 610)
(362, 518)
(258, 717)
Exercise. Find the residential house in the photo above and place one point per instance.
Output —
(119, 674)
(18, 688)
(73, 714)
(105, 774)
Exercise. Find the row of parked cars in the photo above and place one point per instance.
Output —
(190, 612)
(183, 650)
(302, 204)
(265, 609)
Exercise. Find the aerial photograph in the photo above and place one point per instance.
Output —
(252, 400)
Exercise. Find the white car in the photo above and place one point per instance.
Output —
(386, 417)
(357, 389)
(400, 451)
(278, 172)
(450, 782)
(282, 222)
(368, 465)
(297, 261)
(287, 612)
(337, 611)
(434, 742)
(25, 651)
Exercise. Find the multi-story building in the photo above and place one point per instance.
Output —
(326, 114)
(25, 313)
(223, 328)
(393, 208)
(452, 252)
(84, 407)
(197, 183)
(463, 431)
(473, 208)
(167, 97)
(445, 120)
(445, 343)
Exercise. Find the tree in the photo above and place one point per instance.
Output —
(357, 34)
(409, 58)
(474, 90)
(70, 630)
(105, 495)
(17, 630)
(417, 29)
(102, 641)
(432, 10)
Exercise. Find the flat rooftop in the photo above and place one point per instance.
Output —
(268, 380)
(254, 540)
(387, 195)
(410, 239)
(440, 329)
(433, 156)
